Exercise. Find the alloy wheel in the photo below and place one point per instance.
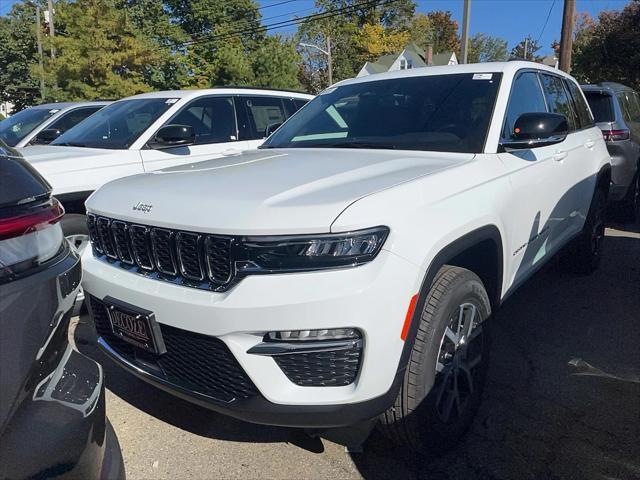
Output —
(459, 357)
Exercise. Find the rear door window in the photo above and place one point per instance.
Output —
(213, 119)
(558, 99)
(601, 106)
(582, 109)
(262, 112)
(72, 118)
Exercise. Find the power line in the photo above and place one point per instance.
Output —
(291, 22)
(546, 21)
(276, 4)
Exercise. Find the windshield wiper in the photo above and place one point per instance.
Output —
(382, 146)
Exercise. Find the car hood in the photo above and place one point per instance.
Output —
(264, 191)
(42, 154)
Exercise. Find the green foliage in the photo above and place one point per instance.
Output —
(485, 48)
(275, 64)
(532, 47)
(437, 29)
(609, 49)
(18, 55)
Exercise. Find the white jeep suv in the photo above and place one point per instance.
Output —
(347, 270)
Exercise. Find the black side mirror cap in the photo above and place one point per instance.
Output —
(537, 129)
(173, 136)
(271, 128)
(46, 136)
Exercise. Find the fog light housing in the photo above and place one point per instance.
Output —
(313, 335)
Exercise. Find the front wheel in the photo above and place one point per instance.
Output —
(445, 377)
(630, 206)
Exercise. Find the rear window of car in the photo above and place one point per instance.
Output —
(601, 106)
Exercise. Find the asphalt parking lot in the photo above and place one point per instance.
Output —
(563, 400)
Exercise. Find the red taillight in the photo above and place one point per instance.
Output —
(615, 135)
(31, 220)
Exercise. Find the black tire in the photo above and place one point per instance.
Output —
(418, 420)
(584, 254)
(630, 206)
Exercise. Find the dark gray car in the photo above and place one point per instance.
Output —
(616, 109)
(52, 400)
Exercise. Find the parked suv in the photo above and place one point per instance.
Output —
(52, 400)
(617, 112)
(44, 123)
(151, 131)
(348, 269)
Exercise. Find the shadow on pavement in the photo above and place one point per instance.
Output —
(539, 417)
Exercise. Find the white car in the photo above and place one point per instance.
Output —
(152, 131)
(44, 123)
(348, 269)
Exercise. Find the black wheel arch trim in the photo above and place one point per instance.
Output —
(447, 254)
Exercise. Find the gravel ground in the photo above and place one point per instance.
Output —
(563, 400)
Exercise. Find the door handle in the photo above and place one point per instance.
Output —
(590, 143)
(559, 155)
(230, 151)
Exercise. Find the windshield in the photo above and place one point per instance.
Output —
(117, 125)
(18, 126)
(446, 113)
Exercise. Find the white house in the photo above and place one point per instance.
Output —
(6, 109)
(411, 56)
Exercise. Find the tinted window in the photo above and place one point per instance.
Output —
(212, 118)
(557, 98)
(601, 106)
(299, 103)
(18, 126)
(116, 126)
(526, 97)
(262, 112)
(582, 109)
(72, 118)
(629, 106)
(448, 113)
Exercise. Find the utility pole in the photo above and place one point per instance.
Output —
(466, 19)
(39, 40)
(52, 29)
(526, 47)
(329, 61)
(566, 38)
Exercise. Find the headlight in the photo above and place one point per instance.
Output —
(310, 252)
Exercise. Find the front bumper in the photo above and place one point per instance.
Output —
(372, 298)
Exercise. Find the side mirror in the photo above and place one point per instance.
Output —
(538, 129)
(271, 128)
(173, 136)
(46, 136)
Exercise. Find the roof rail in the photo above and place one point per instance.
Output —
(261, 88)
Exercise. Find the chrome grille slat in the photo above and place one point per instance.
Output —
(189, 255)
(163, 250)
(218, 259)
(139, 237)
(106, 239)
(121, 238)
(191, 259)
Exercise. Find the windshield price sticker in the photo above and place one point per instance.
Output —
(171, 101)
(482, 76)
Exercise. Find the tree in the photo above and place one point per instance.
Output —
(485, 48)
(437, 29)
(373, 40)
(532, 47)
(276, 64)
(101, 53)
(152, 19)
(19, 82)
(396, 14)
(609, 49)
